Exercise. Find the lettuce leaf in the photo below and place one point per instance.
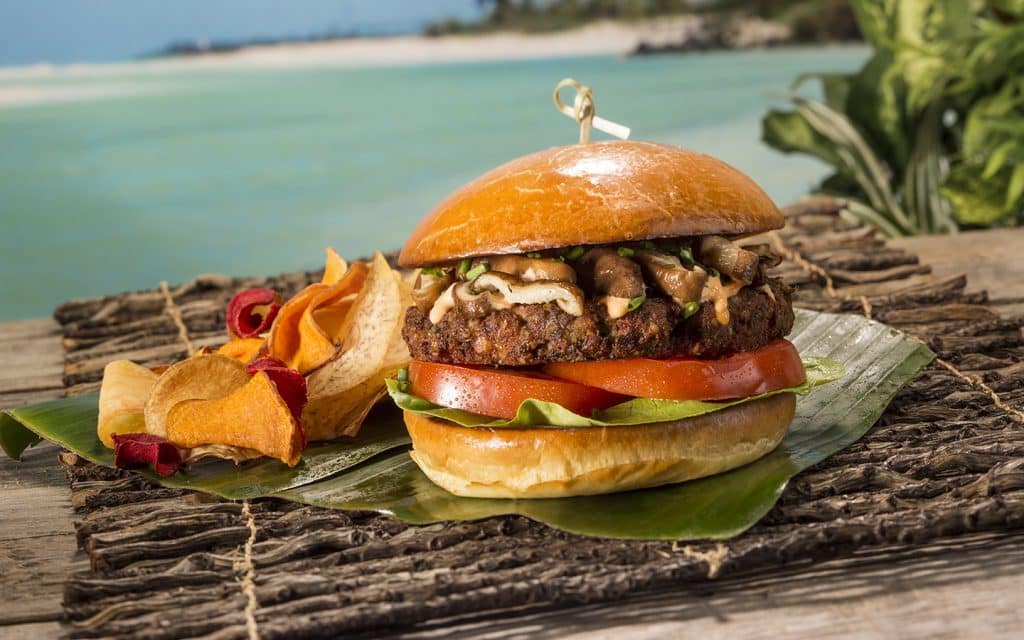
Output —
(538, 413)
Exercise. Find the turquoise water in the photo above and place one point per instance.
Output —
(254, 171)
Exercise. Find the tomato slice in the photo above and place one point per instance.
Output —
(774, 366)
(499, 392)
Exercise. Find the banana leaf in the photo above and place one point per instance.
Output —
(878, 361)
(71, 423)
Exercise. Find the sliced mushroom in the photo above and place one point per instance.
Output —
(428, 289)
(721, 254)
(603, 271)
(765, 253)
(567, 296)
(680, 283)
(532, 269)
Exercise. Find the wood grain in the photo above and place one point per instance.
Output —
(37, 540)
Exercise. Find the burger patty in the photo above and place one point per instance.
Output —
(536, 334)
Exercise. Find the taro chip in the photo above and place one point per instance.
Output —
(243, 349)
(126, 387)
(132, 450)
(252, 312)
(253, 417)
(344, 385)
(334, 268)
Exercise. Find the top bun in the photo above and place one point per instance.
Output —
(595, 193)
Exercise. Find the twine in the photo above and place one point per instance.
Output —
(713, 558)
(248, 575)
(174, 311)
(865, 304)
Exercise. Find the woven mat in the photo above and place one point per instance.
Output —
(946, 459)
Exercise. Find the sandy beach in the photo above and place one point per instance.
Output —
(23, 86)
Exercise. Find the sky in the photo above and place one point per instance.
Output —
(65, 31)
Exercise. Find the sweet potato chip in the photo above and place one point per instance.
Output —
(291, 386)
(334, 268)
(141, 449)
(253, 417)
(251, 312)
(198, 378)
(309, 325)
(242, 349)
(126, 387)
(284, 341)
(346, 383)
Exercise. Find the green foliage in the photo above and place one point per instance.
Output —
(929, 134)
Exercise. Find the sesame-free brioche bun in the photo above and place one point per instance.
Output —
(595, 193)
(557, 462)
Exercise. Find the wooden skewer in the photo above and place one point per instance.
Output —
(584, 112)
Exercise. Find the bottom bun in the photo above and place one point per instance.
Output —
(557, 462)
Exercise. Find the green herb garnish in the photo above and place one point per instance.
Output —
(626, 252)
(464, 266)
(647, 244)
(690, 308)
(533, 254)
(687, 254)
(575, 253)
(437, 272)
(477, 271)
(636, 302)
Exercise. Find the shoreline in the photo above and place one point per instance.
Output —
(604, 37)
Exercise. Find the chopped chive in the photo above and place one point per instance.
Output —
(626, 252)
(464, 265)
(477, 271)
(561, 258)
(575, 253)
(533, 254)
(402, 375)
(437, 272)
(647, 244)
(636, 302)
(690, 308)
(687, 254)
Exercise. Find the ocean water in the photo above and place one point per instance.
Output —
(118, 180)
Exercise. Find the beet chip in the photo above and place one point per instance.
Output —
(291, 385)
(141, 449)
(244, 321)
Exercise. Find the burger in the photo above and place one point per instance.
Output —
(590, 319)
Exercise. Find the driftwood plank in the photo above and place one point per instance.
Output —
(37, 542)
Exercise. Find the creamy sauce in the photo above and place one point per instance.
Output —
(617, 307)
(718, 293)
(442, 305)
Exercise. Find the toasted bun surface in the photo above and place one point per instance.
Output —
(593, 193)
(552, 463)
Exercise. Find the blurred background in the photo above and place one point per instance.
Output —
(146, 141)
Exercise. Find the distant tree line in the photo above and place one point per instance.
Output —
(810, 20)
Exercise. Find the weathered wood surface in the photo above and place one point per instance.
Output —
(993, 260)
(925, 590)
(37, 541)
